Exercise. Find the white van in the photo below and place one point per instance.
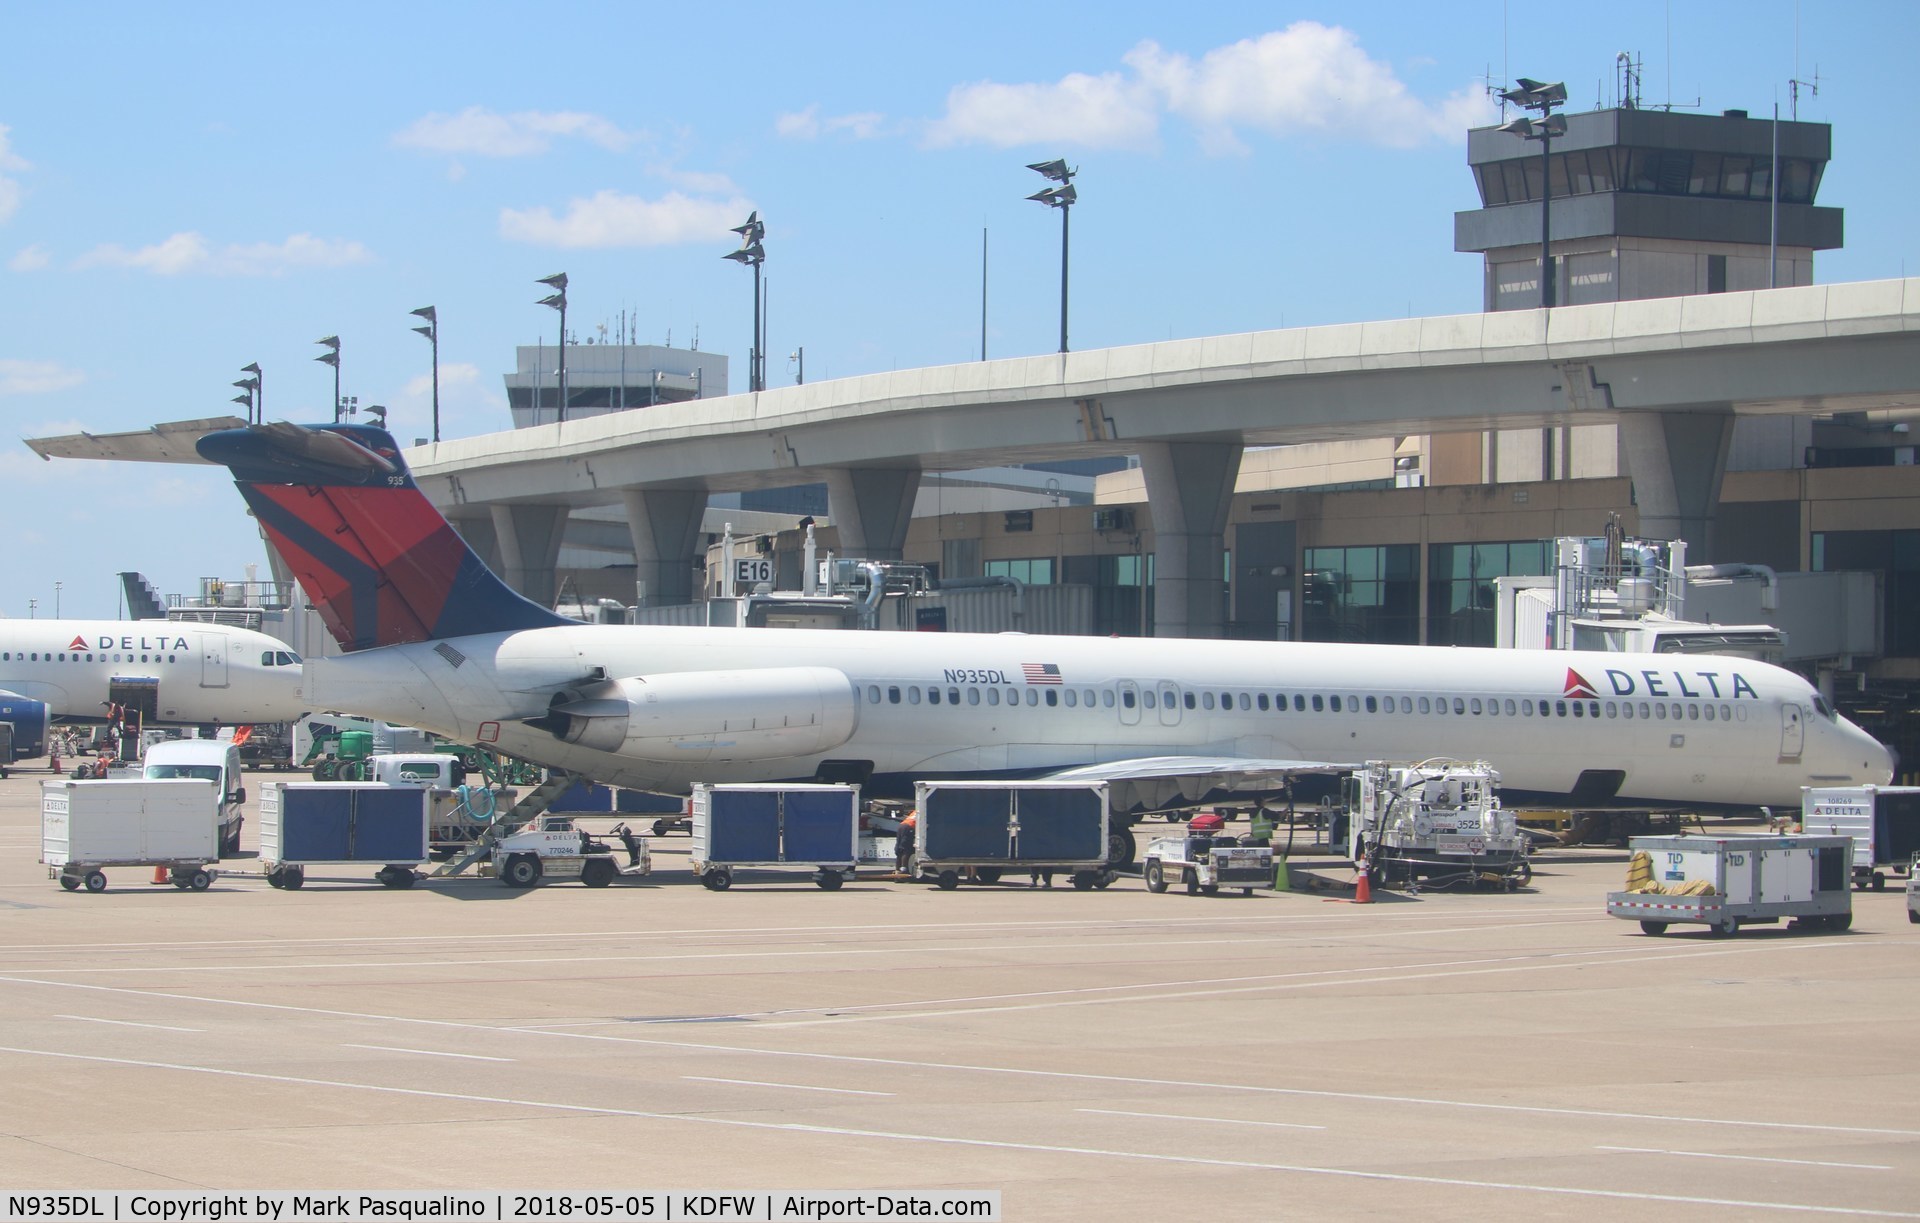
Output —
(210, 760)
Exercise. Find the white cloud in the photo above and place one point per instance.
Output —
(808, 125)
(1106, 111)
(189, 253)
(11, 163)
(30, 258)
(36, 378)
(1308, 79)
(613, 219)
(484, 133)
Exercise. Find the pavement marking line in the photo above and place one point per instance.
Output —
(1758, 1159)
(784, 953)
(471, 1057)
(994, 1144)
(1121, 926)
(1016, 1071)
(1116, 1112)
(127, 1023)
(842, 1091)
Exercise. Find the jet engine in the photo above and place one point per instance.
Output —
(696, 716)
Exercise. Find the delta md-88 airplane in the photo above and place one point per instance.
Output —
(433, 639)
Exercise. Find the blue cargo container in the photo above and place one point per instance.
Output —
(773, 825)
(306, 824)
(991, 827)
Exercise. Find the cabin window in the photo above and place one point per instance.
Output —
(1693, 713)
(1126, 698)
(1425, 705)
(933, 696)
(1299, 703)
(1053, 697)
(1709, 714)
(873, 694)
(1319, 703)
(1373, 705)
(1579, 710)
(173, 658)
(1013, 696)
(1476, 705)
(953, 696)
(1610, 710)
(1626, 710)
(913, 696)
(1740, 712)
(1263, 702)
(1033, 696)
(1660, 712)
(1190, 703)
(973, 696)
(1205, 699)
(893, 696)
(1333, 702)
(1148, 699)
(993, 696)
(1072, 696)
(1106, 698)
(1726, 713)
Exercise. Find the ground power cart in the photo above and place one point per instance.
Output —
(742, 826)
(1725, 883)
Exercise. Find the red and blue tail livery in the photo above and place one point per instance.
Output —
(380, 563)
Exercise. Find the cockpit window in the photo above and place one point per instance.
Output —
(1822, 708)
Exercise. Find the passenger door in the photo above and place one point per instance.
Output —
(213, 660)
(1792, 733)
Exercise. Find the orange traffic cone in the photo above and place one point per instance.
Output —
(160, 875)
(1363, 886)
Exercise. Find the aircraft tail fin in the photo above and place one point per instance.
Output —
(380, 563)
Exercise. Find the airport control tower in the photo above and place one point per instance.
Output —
(1649, 203)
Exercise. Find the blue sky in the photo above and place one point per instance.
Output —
(187, 189)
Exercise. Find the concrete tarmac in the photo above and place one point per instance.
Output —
(1446, 1055)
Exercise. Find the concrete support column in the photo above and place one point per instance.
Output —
(1190, 491)
(475, 526)
(665, 525)
(871, 508)
(1676, 461)
(529, 540)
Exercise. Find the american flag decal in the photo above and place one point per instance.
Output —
(1040, 672)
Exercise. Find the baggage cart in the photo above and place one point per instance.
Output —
(1884, 822)
(991, 827)
(87, 826)
(1725, 883)
(328, 823)
(750, 825)
(1206, 860)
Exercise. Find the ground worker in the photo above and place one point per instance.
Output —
(903, 843)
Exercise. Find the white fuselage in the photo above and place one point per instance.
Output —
(196, 673)
(1678, 728)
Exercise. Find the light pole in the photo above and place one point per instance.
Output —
(558, 300)
(332, 357)
(56, 600)
(753, 254)
(432, 332)
(259, 391)
(1063, 198)
(1533, 95)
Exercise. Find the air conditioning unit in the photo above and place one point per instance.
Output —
(1113, 520)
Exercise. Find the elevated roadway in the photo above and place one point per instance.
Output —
(1672, 372)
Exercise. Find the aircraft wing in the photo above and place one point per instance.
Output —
(172, 442)
(1165, 783)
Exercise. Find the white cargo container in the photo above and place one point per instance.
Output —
(1884, 822)
(1753, 880)
(88, 825)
